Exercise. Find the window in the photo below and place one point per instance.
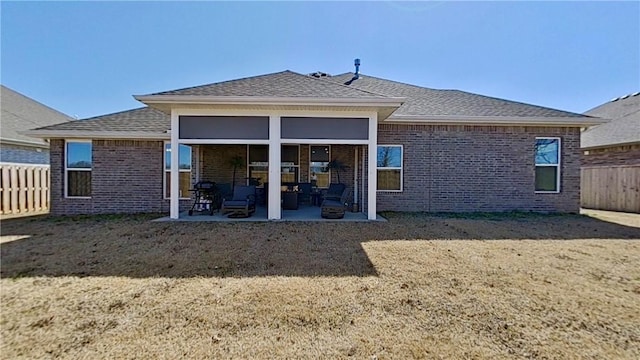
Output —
(78, 168)
(319, 165)
(547, 165)
(389, 167)
(184, 166)
(259, 163)
(290, 164)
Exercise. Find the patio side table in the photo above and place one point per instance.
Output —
(315, 198)
(290, 200)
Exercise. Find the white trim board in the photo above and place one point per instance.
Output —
(494, 120)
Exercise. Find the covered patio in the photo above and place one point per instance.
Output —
(305, 172)
(281, 148)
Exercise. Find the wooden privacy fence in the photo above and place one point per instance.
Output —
(24, 189)
(615, 188)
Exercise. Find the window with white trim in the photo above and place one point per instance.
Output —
(547, 158)
(389, 167)
(290, 164)
(258, 163)
(319, 158)
(184, 169)
(77, 171)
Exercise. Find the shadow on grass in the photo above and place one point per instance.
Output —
(132, 246)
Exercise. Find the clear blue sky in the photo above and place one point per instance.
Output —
(88, 58)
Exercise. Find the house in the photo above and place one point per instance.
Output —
(19, 113)
(616, 142)
(408, 148)
(611, 157)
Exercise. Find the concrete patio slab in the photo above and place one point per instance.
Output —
(304, 213)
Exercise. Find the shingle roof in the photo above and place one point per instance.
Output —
(144, 119)
(282, 84)
(421, 101)
(20, 113)
(624, 127)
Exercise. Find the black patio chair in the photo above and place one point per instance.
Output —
(334, 209)
(243, 203)
(225, 191)
(334, 192)
(304, 193)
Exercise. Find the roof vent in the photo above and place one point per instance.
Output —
(319, 74)
(356, 76)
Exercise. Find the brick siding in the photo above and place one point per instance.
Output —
(23, 154)
(214, 163)
(615, 155)
(446, 168)
(126, 177)
(478, 168)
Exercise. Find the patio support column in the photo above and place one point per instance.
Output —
(371, 166)
(274, 212)
(174, 209)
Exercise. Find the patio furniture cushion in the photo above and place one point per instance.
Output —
(334, 192)
(243, 203)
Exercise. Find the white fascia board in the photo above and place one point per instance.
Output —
(326, 141)
(282, 113)
(133, 135)
(223, 141)
(34, 144)
(594, 147)
(496, 120)
(268, 100)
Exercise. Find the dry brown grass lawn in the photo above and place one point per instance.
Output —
(501, 287)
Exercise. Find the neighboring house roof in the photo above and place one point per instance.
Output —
(421, 101)
(20, 113)
(393, 100)
(623, 127)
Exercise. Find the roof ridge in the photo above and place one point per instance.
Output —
(327, 78)
(466, 93)
(290, 72)
(392, 81)
(626, 96)
(221, 82)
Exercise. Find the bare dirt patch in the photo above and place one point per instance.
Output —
(501, 287)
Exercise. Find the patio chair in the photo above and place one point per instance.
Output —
(225, 191)
(334, 209)
(304, 193)
(243, 202)
(334, 192)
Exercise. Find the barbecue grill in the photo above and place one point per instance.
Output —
(207, 197)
